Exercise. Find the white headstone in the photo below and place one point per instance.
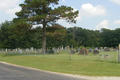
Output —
(6, 50)
(27, 50)
(16, 49)
(31, 49)
(20, 51)
(96, 48)
(62, 47)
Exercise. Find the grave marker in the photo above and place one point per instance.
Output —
(96, 52)
(106, 49)
(62, 47)
(6, 50)
(90, 50)
(31, 49)
(72, 51)
(83, 52)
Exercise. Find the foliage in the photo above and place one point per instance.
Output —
(12, 36)
(17, 36)
(41, 12)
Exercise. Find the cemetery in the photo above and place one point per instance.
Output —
(36, 38)
(66, 58)
(66, 53)
(61, 63)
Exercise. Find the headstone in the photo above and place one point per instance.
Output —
(38, 50)
(77, 50)
(116, 48)
(2, 50)
(6, 50)
(65, 48)
(16, 49)
(54, 49)
(96, 52)
(20, 51)
(83, 52)
(58, 49)
(96, 48)
(62, 47)
(13, 50)
(90, 50)
(68, 47)
(72, 47)
(106, 49)
(31, 49)
(101, 48)
(72, 51)
(27, 50)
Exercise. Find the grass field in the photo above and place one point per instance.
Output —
(64, 55)
(90, 65)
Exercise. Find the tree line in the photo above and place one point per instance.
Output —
(25, 37)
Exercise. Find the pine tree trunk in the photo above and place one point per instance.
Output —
(44, 38)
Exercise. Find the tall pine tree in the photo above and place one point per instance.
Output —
(43, 12)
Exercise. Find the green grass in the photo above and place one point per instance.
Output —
(64, 55)
(60, 63)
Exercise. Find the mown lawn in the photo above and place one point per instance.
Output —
(80, 67)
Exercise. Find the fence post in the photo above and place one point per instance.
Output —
(102, 54)
(70, 55)
(114, 56)
(84, 54)
(44, 53)
(54, 55)
(35, 52)
(117, 57)
(119, 54)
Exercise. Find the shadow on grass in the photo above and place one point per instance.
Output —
(113, 62)
(8, 55)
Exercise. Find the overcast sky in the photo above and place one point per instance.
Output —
(93, 14)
